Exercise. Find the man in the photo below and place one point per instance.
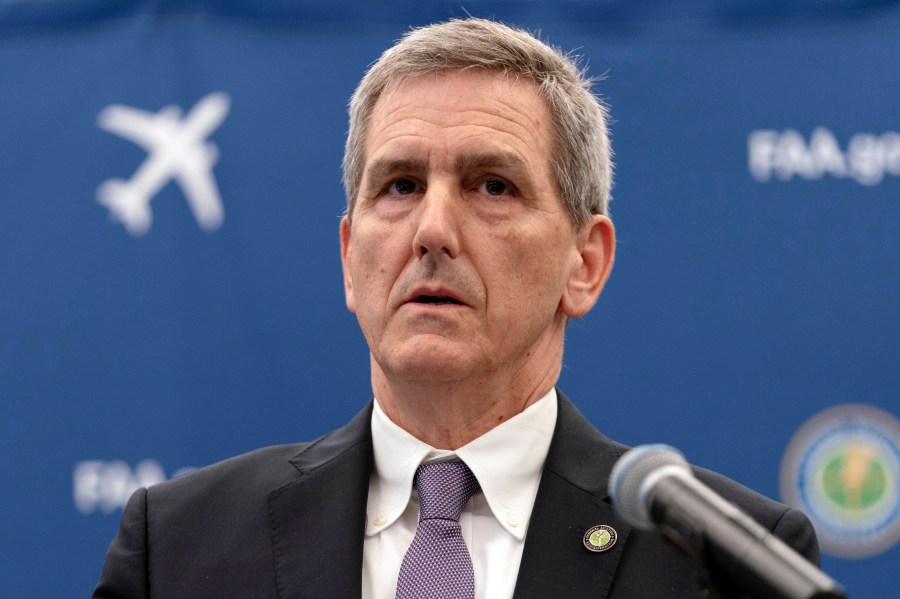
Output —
(477, 172)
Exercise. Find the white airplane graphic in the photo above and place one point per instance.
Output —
(175, 150)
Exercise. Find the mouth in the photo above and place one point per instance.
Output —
(435, 300)
(434, 296)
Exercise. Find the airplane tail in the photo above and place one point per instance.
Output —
(126, 205)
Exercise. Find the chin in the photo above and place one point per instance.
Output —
(431, 361)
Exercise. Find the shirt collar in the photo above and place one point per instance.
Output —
(507, 461)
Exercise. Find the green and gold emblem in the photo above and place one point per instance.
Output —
(600, 538)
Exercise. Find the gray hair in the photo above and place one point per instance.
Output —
(581, 162)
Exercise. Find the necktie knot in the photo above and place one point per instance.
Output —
(444, 489)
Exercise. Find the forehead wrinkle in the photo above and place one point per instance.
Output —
(391, 129)
(504, 119)
(507, 121)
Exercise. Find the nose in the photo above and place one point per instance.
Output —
(437, 227)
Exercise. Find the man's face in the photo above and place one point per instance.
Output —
(460, 250)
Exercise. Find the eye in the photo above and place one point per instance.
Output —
(496, 187)
(402, 187)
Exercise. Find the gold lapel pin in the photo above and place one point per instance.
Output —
(600, 538)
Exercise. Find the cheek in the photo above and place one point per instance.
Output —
(545, 273)
(527, 275)
(376, 265)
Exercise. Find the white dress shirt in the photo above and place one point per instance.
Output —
(507, 461)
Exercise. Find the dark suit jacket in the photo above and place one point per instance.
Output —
(289, 522)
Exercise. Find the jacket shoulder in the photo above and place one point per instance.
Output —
(268, 467)
(789, 524)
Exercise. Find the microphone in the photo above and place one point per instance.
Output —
(652, 486)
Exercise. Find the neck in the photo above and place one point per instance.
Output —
(448, 415)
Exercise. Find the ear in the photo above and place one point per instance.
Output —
(346, 263)
(596, 249)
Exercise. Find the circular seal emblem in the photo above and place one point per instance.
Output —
(842, 469)
(600, 538)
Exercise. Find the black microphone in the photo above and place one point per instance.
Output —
(652, 486)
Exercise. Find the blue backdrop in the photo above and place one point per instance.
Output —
(757, 204)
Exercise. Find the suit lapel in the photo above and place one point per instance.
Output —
(572, 498)
(318, 520)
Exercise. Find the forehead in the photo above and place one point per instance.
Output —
(461, 111)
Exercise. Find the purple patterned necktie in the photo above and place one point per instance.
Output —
(437, 564)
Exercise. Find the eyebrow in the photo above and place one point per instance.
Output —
(489, 160)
